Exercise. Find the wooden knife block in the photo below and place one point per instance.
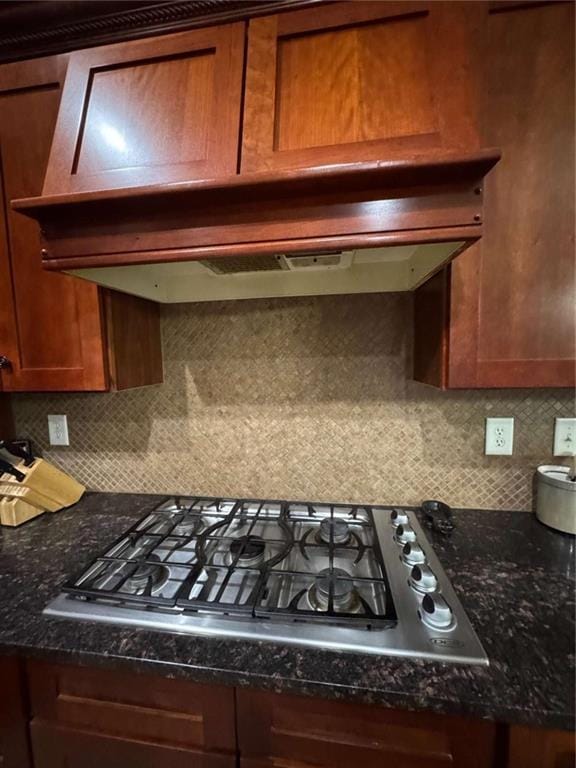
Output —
(14, 512)
(43, 481)
(29, 496)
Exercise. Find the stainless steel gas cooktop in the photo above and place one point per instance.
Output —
(355, 578)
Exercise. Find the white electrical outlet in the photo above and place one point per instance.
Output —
(499, 437)
(564, 437)
(58, 430)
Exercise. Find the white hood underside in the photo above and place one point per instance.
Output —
(370, 270)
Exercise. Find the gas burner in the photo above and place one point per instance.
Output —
(187, 527)
(333, 531)
(344, 596)
(150, 574)
(250, 551)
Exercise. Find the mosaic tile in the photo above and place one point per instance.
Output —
(302, 398)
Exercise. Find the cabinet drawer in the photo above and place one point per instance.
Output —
(281, 730)
(55, 746)
(139, 707)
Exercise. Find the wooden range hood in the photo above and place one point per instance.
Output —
(415, 213)
(177, 174)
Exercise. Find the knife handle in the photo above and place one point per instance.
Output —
(10, 469)
(17, 449)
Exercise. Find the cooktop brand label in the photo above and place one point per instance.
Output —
(446, 642)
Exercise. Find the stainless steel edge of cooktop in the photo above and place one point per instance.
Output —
(409, 638)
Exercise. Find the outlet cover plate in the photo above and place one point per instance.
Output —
(499, 437)
(564, 437)
(58, 430)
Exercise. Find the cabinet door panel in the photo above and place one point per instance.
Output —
(150, 111)
(512, 295)
(282, 730)
(356, 81)
(356, 63)
(14, 750)
(135, 707)
(50, 325)
(527, 274)
(539, 748)
(59, 747)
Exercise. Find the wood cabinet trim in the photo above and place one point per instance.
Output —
(507, 374)
(353, 204)
(298, 244)
(437, 168)
(34, 73)
(133, 340)
(217, 228)
(431, 323)
(72, 29)
(342, 14)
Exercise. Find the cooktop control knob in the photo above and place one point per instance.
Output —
(436, 613)
(422, 579)
(398, 517)
(413, 553)
(404, 534)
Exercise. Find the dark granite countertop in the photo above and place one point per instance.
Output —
(514, 576)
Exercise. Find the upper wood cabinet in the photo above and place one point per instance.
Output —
(158, 110)
(50, 325)
(503, 314)
(54, 330)
(379, 83)
(357, 81)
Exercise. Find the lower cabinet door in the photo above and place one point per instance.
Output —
(540, 748)
(85, 717)
(14, 746)
(281, 731)
(58, 747)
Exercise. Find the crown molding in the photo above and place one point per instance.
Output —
(29, 30)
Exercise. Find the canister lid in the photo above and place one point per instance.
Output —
(556, 475)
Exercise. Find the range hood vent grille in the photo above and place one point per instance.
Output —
(235, 265)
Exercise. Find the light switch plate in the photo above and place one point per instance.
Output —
(58, 430)
(499, 437)
(564, 437)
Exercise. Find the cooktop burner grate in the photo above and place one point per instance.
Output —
(276, 560)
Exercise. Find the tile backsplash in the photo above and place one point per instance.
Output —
(305, 398)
